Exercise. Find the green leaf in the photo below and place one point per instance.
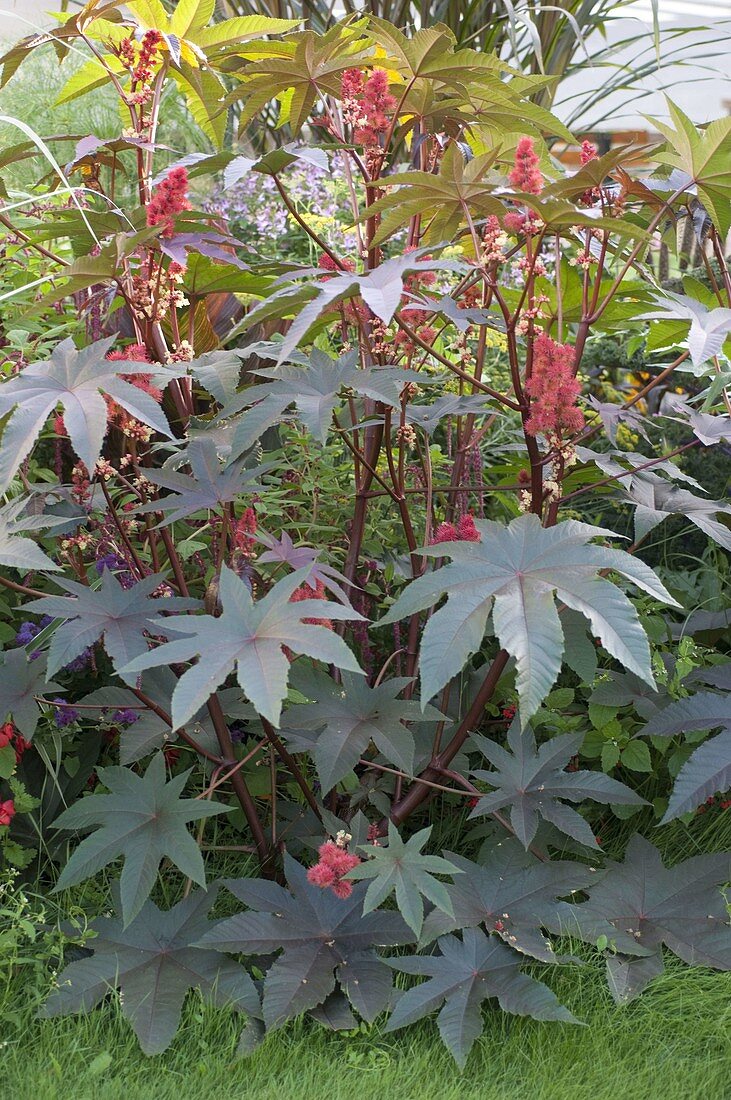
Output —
(251, 637)
(636, 756)
(640, 904)
(22, 681)
(324, 940)
(77, 381)
(704, 156)
(464, 974)
(122, 617)
(516, 571)
(708, 769)
(532, 781)
(153, 961)
(513, 894)
(348, 716)
(144, 820)
(402, 868)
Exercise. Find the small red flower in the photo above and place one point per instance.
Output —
(7, 733)
(525, 174)
(7, 812)
(170, 198)
(498, 926)
(335, 862)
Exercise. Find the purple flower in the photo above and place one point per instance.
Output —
(79, 663)
(125, 717)
(64, 715)
(28, 631)
(110, 561)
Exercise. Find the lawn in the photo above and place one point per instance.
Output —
(673, 1043)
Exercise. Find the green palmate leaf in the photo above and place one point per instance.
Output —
(325, 941)
(532, 783)
(516, 571)
(708, 327)
(349, 716)
(314, 386)
(307, 66)
(153, 961)
(655, 500)
(75, 381)
(401, 867)
(381, 289)
(17, 552)
(704, 156)
(640, 904)
(457, 196)
(207, 487)
(708, 769)
(514, 895)
(250, 637)
(464, 974)
(121, 617)
(143, 819)
(22, 683)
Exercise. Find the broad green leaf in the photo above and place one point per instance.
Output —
(121, 617)
(401, 867)
(143, 819)
(533, 783)
(465, 973)
(251, 637)
(516, 571)
(22, 683)
(708, 769)
(324, 940)
(16, 551)
(77, 382)
(154, 962)
(640, 904)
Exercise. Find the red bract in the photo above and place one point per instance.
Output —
(335, 861)
(553, 389)
(169, 199)
(463, 531)
(525, 175)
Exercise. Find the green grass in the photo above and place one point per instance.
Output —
(674, 1043)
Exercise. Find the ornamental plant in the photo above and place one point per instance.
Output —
(298, 560)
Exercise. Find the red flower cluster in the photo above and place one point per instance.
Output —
(140, 65)
(508, 712)
(7, 813)
(463, 531)
(553, 389)
(10, 736)
(327, 263)
(367, 105)
(170, 198)
(334, 863)
(589, 153)
(316, 593)
(418, 280)
(119, 417)
(243, 533)
(714, 800)
(525, 174)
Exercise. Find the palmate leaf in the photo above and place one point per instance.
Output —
(153, 962)
(514, 895)
(76, 381)
(22, 682)
(284, 551)
(429, 417)
(704, 156)
(464, 974)
(250, 637)
(348, 716)
(401, 867)
(531, 781)
(444, 200)
(708, 327)
(708, 769)
(516, 571)
(16, 551)
(655, 500)
(314, 387)
(207, 487)
(324, 941)
(121, 617)
(144, 819)
(381, 289)
(640, 904)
